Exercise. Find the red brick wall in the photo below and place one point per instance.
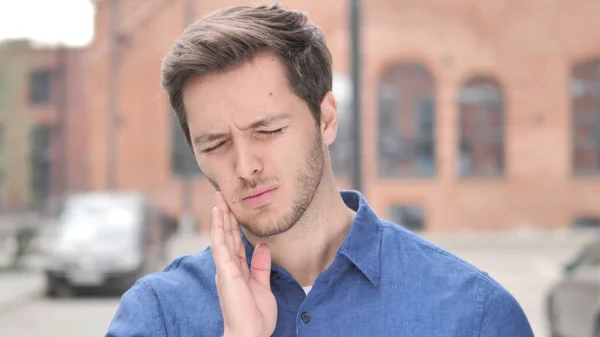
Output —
(527, 47)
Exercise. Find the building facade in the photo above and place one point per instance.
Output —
(476, 115)
(43, 123)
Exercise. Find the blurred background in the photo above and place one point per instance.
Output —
(475, 123)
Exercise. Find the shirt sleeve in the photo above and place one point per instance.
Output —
(138, 314)
(502, 315)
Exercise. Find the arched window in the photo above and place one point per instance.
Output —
(481, 122)
(585, 104)
(407, 122)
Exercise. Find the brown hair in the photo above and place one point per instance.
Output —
(232, 35)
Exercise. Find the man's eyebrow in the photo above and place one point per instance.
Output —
(267, 121)
(209, 137)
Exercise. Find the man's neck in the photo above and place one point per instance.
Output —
(309, 247)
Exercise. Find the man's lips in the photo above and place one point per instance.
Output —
(260, 197)
(257, 192)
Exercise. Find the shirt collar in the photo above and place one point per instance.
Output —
(363, 241)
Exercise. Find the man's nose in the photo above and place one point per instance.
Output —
(247, 163)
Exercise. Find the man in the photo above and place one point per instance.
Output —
(251, 87)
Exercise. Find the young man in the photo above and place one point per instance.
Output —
(252, 89)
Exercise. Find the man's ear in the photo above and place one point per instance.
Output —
(329, 118)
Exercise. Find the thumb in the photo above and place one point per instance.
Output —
(261, 265)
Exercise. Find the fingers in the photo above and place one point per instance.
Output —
(219, 248)
(221, 203)
(229, 242)
(233, 239)
(237, 236)
(261, 265)
(240, 251)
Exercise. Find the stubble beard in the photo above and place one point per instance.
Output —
(307, 181)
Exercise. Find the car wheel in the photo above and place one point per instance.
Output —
(65, 291)
(50, 292)
(56, 289)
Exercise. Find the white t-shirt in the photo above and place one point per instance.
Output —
(307, 289)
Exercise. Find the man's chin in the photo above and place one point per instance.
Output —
(264, 229)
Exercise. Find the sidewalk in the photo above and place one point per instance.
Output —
(17, 287)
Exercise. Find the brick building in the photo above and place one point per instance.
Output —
(477, 114)
(43, 123)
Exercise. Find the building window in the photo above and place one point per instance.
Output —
(481, 122)
(585, 103)
(411, 217)
(40, 83)
(407, 122)
(183, 162)
(41, 160)
(341, 151)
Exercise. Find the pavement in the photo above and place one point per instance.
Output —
(18, 287)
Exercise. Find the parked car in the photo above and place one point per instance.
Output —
(573, 303)
(102, 240)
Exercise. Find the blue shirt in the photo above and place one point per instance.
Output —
(383, 281)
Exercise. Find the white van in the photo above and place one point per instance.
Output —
(102, 240)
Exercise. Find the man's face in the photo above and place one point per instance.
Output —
(257, 142)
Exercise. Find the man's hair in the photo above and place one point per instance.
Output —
(230, 36)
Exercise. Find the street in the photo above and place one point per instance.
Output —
(526, 265)
(66, 318)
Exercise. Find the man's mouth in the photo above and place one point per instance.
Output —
(260, 196)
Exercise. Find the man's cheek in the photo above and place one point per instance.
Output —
(212, 178)
(213, 181)
(214, 184)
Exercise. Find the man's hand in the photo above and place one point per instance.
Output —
(247, 303)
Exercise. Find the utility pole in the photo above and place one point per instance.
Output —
(62, 177)
(355, 55)
(187, 222)
(113, 93)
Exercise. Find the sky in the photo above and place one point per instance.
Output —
(70, 22)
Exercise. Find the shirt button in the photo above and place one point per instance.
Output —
(305, 317)
(275, 275)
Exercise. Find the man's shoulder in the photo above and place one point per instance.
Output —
(419, 255)
(167, 302)
(191, 274)
(421, 267)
